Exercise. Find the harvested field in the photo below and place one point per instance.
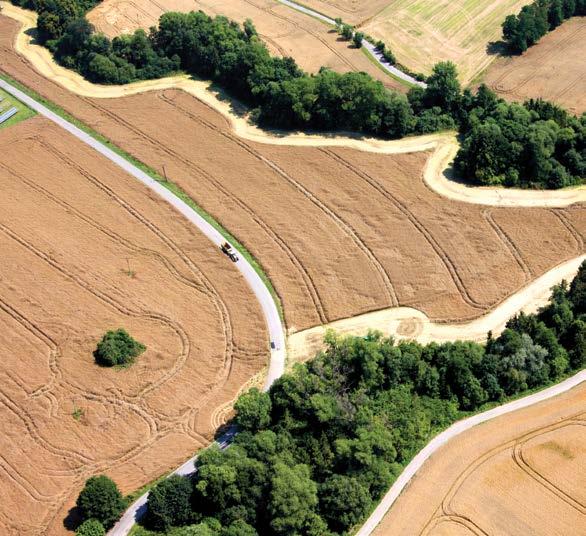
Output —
(285, 31)
(423, 32)
(337, 230)
(86, 248)
(519, 474)
(553, 69)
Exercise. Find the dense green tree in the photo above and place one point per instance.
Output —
(239, 528)
(344, 502)
(169, 503)
(100, 499)
(577, 292)
(357, 39)
(443, 88)
(253, 410)
(90, 527)
(293, 500)
(347, 31)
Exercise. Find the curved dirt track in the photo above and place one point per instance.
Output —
(409, 323)
(445, 143)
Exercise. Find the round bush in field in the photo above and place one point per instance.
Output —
(117, 348)
(100, 500)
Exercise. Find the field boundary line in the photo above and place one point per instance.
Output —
(454, 430)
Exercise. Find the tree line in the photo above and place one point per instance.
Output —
(535, 20)
(535, 144)
(317, 452)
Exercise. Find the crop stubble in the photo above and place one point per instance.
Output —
(338, 231)
(285, 31)
(553, 69)
(519, 474)
(424, 32)
(72, 226)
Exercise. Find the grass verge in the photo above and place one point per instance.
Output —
(171, 186)
(7, 102)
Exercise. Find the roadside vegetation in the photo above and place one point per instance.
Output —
(100, 504)
(117, 348)
(315, 453)
(7, 102)
(535, 20)
(532, 145)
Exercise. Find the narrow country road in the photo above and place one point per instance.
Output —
(263, 296)
(456, 429)
(277, 340)
(370, 48)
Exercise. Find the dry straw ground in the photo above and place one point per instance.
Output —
(339, 232)
(423, 32)
(516, 475)
(85, 249)
(285, 31)
(553, 69)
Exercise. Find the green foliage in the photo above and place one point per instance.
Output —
(357, 39)
(100, 499)
(577, 292)
(344, 502)
(169, 503)
(253, 410)
(535, 20)
(536, 145)
(293, 499)
(532, 145)
(339, 429)
(90, 527)
(117, 348)
(347, 31)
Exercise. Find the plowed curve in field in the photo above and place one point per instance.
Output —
(62, 285)
(409, 323)
(445, 144)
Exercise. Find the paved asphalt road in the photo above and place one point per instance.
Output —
(454, 430)
(263, 296)
(277, 361)
(366, 44)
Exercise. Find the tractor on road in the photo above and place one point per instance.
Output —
(229, 250)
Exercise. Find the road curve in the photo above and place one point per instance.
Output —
(370, 48)
(456, 429)
(263, 296)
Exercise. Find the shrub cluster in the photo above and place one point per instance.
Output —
(117, 348)
(535, 20)
(531, 145)
(315, 453)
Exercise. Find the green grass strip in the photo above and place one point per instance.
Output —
(171, 186)
(24, 112)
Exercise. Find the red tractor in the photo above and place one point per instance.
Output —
(229, 250)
